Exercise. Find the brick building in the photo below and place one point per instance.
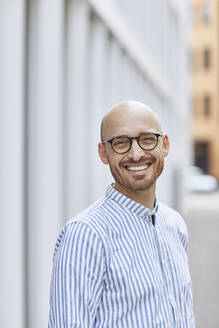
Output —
(204, 44)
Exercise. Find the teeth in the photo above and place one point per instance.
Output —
(138, 168)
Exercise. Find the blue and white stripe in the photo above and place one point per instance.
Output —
(114, 268)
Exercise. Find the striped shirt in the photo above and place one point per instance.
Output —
(114, 268)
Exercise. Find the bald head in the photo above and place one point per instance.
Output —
(123, 117)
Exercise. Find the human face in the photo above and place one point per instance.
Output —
(138, 169)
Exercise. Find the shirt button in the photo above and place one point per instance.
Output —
(172, 300)
(171, 297)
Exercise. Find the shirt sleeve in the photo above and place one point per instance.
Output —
(77, 277)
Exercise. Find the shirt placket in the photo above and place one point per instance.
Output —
(166, 276)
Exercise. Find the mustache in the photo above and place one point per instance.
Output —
(139, 162)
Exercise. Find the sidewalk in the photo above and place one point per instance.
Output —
(202, 218)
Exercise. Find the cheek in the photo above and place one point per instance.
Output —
(114, 162)
(159, 163)
(160, 154)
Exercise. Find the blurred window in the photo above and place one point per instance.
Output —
(206, 58)
(206, 105)
(202, 155)
(207, 12)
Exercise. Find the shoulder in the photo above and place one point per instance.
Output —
(93, 217)
(171, 215)
(87, 226)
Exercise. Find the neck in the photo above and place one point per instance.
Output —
(144, 197)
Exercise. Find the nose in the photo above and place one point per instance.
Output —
(136, 152)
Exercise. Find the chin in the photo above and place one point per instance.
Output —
(138, 185)
(141, 187)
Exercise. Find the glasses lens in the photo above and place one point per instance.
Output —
(148, 141)
(121, 145)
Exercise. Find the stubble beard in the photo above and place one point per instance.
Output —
(140, 184)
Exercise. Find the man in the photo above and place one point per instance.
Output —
(122, 262)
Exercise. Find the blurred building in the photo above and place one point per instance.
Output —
(205, 84)
(63, 63)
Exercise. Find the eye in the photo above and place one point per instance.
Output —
(120, 142)
(147, 139)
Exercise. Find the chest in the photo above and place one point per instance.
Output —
(146, 262)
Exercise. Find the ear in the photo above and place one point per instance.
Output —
(102, 153)
(166, 145)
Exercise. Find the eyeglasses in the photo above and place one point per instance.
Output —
(122, 144)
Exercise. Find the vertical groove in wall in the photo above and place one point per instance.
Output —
(76, 176)
(65, 115)
(26, 166)
(90, 94)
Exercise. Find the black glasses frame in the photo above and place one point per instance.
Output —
(157, 135)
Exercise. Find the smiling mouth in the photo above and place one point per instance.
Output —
(137, 168)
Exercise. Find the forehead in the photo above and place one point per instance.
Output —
(130, 123)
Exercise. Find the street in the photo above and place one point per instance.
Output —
(202, 218)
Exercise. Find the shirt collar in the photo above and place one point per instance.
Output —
(139, 209)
